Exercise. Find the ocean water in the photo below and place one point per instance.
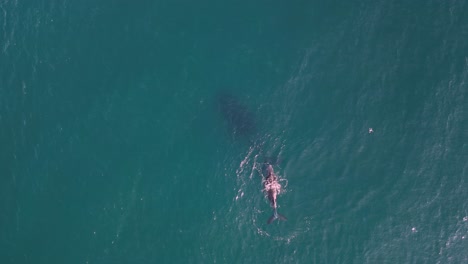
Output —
(114, 147)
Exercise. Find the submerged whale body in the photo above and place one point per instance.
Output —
(238, 116)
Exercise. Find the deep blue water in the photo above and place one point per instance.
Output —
(115, 146)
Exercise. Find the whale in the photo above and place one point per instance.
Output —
(239, 118)
(272, 188)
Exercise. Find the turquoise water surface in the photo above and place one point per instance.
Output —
(115, 147)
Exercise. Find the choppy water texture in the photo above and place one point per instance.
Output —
(114, 147)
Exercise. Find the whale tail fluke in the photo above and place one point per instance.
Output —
(275, 216)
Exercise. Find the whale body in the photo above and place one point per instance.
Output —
(239, 118)
(272, 188)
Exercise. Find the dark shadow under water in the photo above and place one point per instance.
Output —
(244, 126)
(241, 121)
